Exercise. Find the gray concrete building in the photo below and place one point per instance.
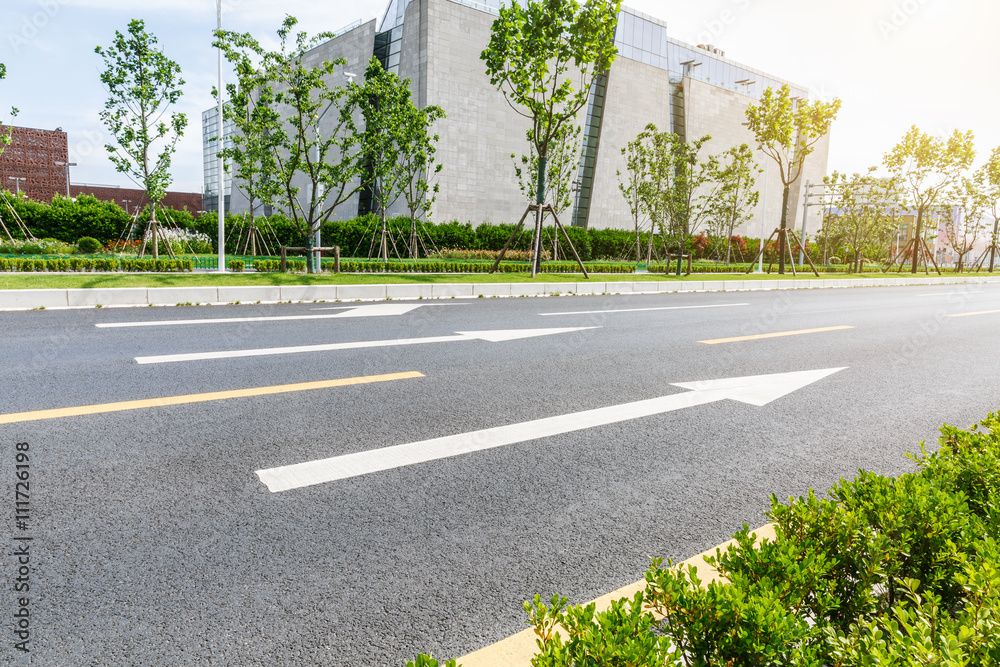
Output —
(691, 90)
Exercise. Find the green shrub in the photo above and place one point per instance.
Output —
(886, 572)
(88, 245)
(236, 265)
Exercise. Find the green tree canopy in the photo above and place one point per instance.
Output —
(328, 161)
(787, 131)
(544, 55)
(143, 84)
(929, 166)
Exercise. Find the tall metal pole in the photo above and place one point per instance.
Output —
(763, 215)
(222, 175)
(805, 214)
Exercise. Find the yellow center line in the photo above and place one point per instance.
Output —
(198, 398)
(981, 312)
(778, 334)
(518, 650)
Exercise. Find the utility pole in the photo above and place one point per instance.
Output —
(222, 162)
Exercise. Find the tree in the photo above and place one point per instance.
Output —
(417, 164)
(735, 174)
(544, 56)
(636, 173)
(329, 163)
(868, 209)
(5, 136)
(564, 159)
(395, 144)
(929, 166)
(788, 133)
(252, 157)
(674, 193)
(965, 222)
(142, 85)
(989, 177)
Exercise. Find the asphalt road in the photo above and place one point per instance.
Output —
(155, 542)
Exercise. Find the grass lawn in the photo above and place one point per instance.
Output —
(99, 280)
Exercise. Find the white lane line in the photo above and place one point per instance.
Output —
(492, 336)
(949, 293)
(380, 310)
(756, 390)
(388, 308)
(640, 310)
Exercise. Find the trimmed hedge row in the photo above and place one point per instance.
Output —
(94, 264)
(354, 266)
(889, 571)
(721, 268)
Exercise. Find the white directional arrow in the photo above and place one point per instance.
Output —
(492, 336)
(378, 310)
(756, 390)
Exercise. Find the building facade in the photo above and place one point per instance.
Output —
(689, 90)
(30, 164)
(210, 152)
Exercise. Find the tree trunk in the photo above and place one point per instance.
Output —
(536, 248)
(638, 252)
(917, 239)
(993, 242)
(156, 232)
(413, 235)
(309, 253)
(384, 246)
(783, 236)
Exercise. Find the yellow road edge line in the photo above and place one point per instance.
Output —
(981, 312)
(518, 650)
(57, 413)
(778, 334)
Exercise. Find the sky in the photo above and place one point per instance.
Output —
(893, 63)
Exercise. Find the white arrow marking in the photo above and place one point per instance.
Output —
(756, 390)
(379, 310)
(641, 310)
(492, 336)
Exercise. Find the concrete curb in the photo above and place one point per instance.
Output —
(28, 299)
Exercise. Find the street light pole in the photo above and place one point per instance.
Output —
(17, 181)
(222, 165)
(66, 165)
(763, 214)
(126, 202)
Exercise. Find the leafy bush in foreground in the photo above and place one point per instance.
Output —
(885, 572)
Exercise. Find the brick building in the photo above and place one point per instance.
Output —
(28, 164)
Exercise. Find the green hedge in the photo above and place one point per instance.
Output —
(438, 266)
(885, 572)
(158, 265)
(695, 268)
(59, 264)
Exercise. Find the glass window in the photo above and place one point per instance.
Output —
(629, 30)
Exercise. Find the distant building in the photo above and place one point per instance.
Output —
(210, 152)
(687, 89)
(28, 164)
